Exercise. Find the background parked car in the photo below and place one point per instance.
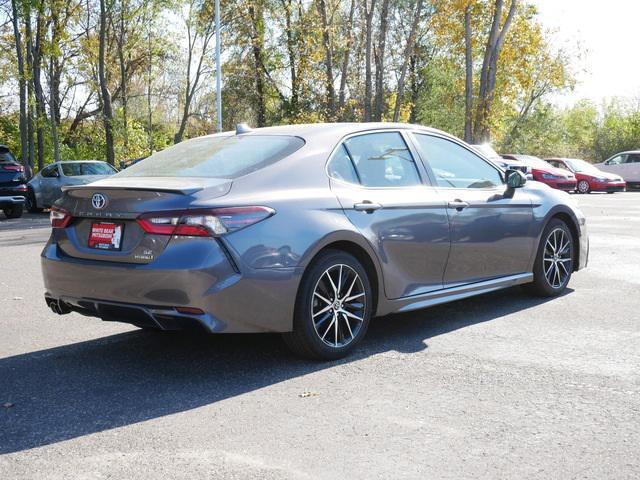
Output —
(590, 178)
(488, 151)
(13, 186)
(625, 164)
(46, 186)
(546, 173)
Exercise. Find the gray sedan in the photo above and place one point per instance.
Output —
(308, 230)
(46, 186)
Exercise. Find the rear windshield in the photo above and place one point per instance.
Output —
(216, 156)
(77, 169)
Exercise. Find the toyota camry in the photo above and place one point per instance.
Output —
(307, 230)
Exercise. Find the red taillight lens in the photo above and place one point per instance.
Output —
(13, 168)
(203, 223)
(59, 218)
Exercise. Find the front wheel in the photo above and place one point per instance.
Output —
(333, 308)
(583, 186)
(554, 261)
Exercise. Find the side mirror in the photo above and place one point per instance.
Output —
(515, 178)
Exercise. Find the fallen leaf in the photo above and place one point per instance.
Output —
(307, 394)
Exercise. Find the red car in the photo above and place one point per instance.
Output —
(590, 178)
(546, 173)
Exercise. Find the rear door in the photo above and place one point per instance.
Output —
(388, 197)
(491, 230)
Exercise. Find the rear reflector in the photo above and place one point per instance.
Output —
(189, 310)
(59, 218)
(201, 222)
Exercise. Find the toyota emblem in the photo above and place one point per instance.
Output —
(99, 201)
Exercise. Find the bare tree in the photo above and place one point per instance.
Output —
(379, 54)
(369, 10)
(468, 84)
(105, 95)
(22, 86)
(495, 42)
(347, 56)
(408, 52)
(328, 58)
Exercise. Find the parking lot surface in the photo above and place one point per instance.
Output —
(498, 386)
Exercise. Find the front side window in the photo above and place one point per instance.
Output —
(617, 160)
(229, 156)
(50, 171)
(456, 167)
(383, 160)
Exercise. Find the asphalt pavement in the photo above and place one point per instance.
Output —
(498, 386)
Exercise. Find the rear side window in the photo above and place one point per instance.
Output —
(216, 156)
(341, 167)
(76, 169)
(382, 160)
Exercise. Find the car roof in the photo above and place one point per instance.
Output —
(319, 131)
(77, 161)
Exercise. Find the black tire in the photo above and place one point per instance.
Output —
(583, 187)
(15, 211)
(610, 193)
(306, 339)
(31, 203)
(542, 286)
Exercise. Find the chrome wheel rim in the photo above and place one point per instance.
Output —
(338, 306)
(583, 186)
(557, 259)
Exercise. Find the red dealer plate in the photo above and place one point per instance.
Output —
(105, 236)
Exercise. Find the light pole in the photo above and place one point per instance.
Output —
(218, 70)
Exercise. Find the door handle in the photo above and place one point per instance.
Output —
(366, 206)
(459, 205)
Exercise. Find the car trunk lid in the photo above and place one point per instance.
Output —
(104, 225)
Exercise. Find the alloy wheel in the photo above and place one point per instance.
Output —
(583, 186)
(557, 259)
(338, 305)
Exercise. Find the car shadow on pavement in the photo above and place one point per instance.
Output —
(83, 388)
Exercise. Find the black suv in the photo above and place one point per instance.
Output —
(13, 184)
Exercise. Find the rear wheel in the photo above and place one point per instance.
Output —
(554, 261)
(333, 308)
(14, 211)
(31, 203)
(583, 186)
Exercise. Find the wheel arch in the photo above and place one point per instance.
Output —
(362, 253)
(572, 222)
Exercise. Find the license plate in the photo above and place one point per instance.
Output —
(105, 236)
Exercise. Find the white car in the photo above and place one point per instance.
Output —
(625, 164)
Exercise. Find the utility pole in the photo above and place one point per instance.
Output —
(218, 70)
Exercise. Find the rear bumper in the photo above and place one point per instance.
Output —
(9, 200)
(259, 300)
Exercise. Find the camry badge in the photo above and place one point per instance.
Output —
(99, 201)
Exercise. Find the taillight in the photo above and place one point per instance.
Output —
(203, 223)
(59, 218)
(21, 188)
(13, 168)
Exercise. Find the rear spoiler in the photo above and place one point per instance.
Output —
(184, 186)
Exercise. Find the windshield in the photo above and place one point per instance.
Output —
(581, 166)
(228, 156)
(77, 169)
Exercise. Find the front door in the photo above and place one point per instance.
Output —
(386, 195)
(491, 228)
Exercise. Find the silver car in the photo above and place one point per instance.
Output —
(308, 230)
(46, 186)
(625, 164)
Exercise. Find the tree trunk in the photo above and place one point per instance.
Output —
(468, 85)
(123, 77)
(29, 50)
(368, 11)
(346, 59)
(328, 60)
(22, 87)
(382, 42)
(291, 52)
(495, 42)
(41, 116)
(107, 109)
(408, 52)
(257, 42)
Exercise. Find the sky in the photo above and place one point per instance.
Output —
(605, 35)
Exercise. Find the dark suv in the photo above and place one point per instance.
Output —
(13, 184)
